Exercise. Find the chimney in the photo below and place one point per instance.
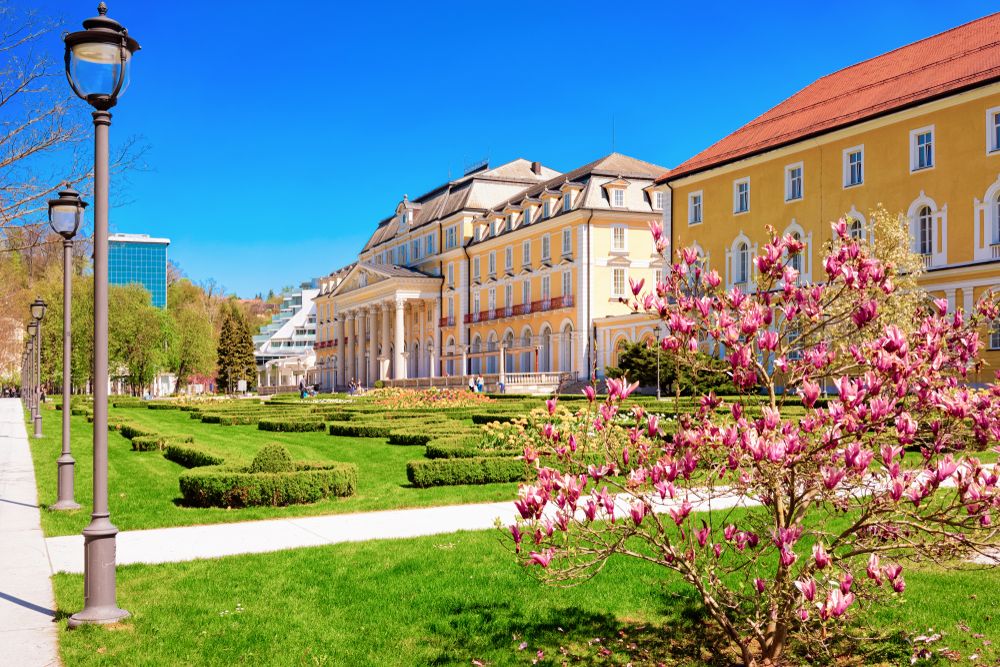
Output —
(536, 168)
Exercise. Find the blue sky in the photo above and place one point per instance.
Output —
(279, 133)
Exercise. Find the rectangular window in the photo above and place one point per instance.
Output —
(493, 263)
(492, 299)
(618, 282)
(741, 195)
(993, 130)
(567, 241)
(793, 182)
(922, 148)
(415, 249)
(545, 247)
(451, 309)
(567, 283)
(854, 166)
(451, 275)
(526, 292)
(451, 240)
(508, 257)
(618, 238)
(510, 222)
(694, 208)
(547, 208)
(658, 200)
(546, 291)
(618, 198)
(475, 268)
(657, 276)
(526, 253)
(526, 217)
(475, 303)
(995, 335)
(508, 295)
(567, 201)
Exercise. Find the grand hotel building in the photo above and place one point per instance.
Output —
(504, 272)
(514, 272)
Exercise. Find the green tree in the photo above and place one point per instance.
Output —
(235, 351)
(192, 341)
(638, 361)
(139, 338)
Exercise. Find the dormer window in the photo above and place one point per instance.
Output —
(547, 208)
(567, 201)
(510, 222)
(526, 216)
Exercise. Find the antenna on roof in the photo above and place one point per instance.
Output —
(479, 165)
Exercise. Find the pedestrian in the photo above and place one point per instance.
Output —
(479, 384)
(302, 388)
(472, 384)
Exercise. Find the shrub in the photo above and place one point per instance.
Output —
(130, 431)
(490, 418)
(152, 443)
(291, 426)
(455, 447)
(481, 470)
(80, 412)
(360, 430)
(236, 487)
(272, 458)
(189, 457)
(163, 405)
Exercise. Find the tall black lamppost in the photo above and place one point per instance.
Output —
(97, 67)
(38, 308)
(65, 215)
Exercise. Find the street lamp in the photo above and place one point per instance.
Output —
(97, 67)
(31, 370)
(65, 215)
(38, 308)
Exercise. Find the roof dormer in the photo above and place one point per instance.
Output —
(405, 214)
(570, 190)
(616, 192)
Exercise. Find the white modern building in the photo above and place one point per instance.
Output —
(284, 347)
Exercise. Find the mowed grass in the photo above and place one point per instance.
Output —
(452, 599)
(145, 491)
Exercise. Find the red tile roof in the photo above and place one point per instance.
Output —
(955, 60)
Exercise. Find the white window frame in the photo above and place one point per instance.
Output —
(736, 195)
(508, 258)
(526, 292)
(920, 237)
(476, 265)
(993, 131)
(415, 249)
(618, 197)
(616, 289)
(546, 288)
(451, 275)
(914, 153)
(789, 193)
(567, 283)
(475, 303)
(846, 157)
(546, 247)
(692, 218)
(526, 253)
(615, 246)
(508, 295)
(547, 208)
(492, 263)
(491, 299)
(658, 199)
(567, 201)
(451, 237)
(995, 335)
(567, 241)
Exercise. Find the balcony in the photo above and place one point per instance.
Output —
(995, 250)
(926, 260)
(446, 322)
(540, 306)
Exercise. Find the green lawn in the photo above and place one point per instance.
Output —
(145, 493)
(452, 599)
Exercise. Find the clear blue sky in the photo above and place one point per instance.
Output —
(281, 132)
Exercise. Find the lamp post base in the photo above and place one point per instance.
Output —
(65, 465)
(38, 425)
(99, 606)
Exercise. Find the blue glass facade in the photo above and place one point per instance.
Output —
(136, 259)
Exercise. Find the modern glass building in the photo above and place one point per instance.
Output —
(139, 258)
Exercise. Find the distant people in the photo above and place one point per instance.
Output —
(501, 386)
(302, 389)
(479, 384)
(472, 384)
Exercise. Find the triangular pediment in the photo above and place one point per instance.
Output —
(364, 275)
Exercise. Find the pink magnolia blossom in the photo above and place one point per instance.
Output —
(807, 588)
(820, 556)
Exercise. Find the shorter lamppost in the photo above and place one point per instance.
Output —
(32, 328)
(38, 308)
(65, 215)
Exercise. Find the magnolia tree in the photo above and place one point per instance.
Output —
(784, 510)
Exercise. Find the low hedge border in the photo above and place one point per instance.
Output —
(219, 486)
(286, 426)
(154, 443)
(162, 405)
(360, 429)
(481, 470)
(189, 457)
(130, 431)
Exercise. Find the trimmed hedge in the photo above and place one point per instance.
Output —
(130, 431)
(285, 426)
(481, 470)
(219, 486)
(152, 443)
(489, 418)
(360, 429)
(162, 405)
(189, 457)
(272, 458)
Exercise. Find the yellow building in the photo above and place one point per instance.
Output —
(916, 130)
(504, 272)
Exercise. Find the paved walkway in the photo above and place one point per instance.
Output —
(28, 633)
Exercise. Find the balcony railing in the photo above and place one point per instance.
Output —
(926, 259)
(539, 306)
(447, 322)
(995, 250)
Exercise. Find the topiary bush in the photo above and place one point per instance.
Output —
(272, 458)
(153, 443)
(453, 471)
(291, 426)
(219, 486)
(189, 457)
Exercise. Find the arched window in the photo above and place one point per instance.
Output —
(545, 350)
(996, 219)
(796, 259)
(566, 349)
(856, 229)
(742, 258)
(925, 231)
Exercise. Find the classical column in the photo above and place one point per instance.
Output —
(399, 342)
(338, 336)
(349, 349)
(436, 350)
(372, 345)
(383, 372)
(422, 314)
(362, 362)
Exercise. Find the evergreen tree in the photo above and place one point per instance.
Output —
(235, 352)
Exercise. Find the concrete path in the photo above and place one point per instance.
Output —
(28, 632)
(166, 545)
